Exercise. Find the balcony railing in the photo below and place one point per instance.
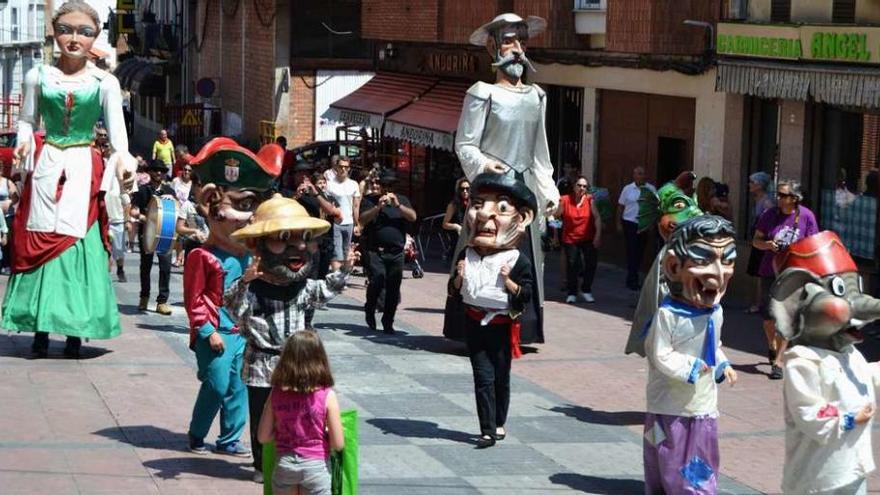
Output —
(589, 5)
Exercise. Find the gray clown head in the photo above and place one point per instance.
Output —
(817, 298)
(505, 38)
(700, 260)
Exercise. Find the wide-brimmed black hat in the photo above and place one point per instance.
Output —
(157, 166)
(387, 177)
(516, 189)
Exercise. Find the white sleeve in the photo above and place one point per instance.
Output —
(663, 355)
(29, 116)
(621, 200)
(547, 190)
(114, 120)
(469, 135)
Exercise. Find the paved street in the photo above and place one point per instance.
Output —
(115, 422)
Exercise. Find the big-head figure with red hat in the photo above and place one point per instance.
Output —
(830, 389)
(235, 181)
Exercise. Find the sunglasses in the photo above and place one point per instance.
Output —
(785, 195)
(581, 185)
(464, 189)
(68, 30)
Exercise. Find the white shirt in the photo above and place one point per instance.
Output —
(344, 194)
(673, 347)
(483, 285)
(820, 389)
(629, 199)
(113, 200)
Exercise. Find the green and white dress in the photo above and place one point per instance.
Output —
(68, 292)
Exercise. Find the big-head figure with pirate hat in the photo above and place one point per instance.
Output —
(830, 391)
(490, 289)
(502, 131)
(235, 181)
(272, 299)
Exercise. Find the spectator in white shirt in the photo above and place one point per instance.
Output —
(627, 221)
(347, 194)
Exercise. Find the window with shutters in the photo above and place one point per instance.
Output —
(780, 11)
(843, 11)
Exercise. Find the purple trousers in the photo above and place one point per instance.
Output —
(681, 455)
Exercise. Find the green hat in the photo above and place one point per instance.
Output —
(224, 163)
(669, 199)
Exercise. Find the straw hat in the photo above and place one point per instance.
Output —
(535, 25)
(280, 214)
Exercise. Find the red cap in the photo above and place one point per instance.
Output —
(823, 254)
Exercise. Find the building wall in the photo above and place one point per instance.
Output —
(560, 23)
(657, 26)
(461, 18)
(812, 10)
(867, 11)
(301, 123)
(402, 20)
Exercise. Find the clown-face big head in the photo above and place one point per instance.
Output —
(500, 210)
(284, 236)
(700, 260)
(234, 183)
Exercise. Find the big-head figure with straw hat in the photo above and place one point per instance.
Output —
(502, 131)
(272, 299)
(235, 181)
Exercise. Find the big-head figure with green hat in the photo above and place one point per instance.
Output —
(234, 183)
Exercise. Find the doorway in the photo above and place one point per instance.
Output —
(671, 157)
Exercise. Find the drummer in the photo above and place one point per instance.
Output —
(141, 199)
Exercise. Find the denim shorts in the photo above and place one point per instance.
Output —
(342, 240)
(291, 470)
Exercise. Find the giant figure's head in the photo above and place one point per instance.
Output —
(817, 298)
(284, 236)
(700, 260)
(505, 38)
(76, 26)
(671, 205)
(234, 182)
(500, 210)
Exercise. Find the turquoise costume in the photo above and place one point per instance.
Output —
(60, 282)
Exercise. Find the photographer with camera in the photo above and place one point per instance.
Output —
(776, 229)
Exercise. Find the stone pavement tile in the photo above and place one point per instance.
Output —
(121, 461)
(410, 405)
(615, 459)
(560, 482)
(543, 429)
(439, 364)
(408, 486)
(113, 485)
(446, 383)
(352, 364)
(401, 461)
(340, 348)
(36, 482)
(427, 430)
(377, 383)
(371, 431)
(176, 465)
(746, 458)
(35, 457)
(503, 459)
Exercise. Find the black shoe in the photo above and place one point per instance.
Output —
(120, 275)
(371, 320)
(388, 329)
(71, 350)
(776, 373)
(40, 347)
(485, 442)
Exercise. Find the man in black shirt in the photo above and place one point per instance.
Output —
(384, 218)
(141, 199)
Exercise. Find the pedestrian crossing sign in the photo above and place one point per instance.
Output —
(190, 119)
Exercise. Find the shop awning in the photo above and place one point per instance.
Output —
(832, 84)
(432, 119)
(382, 95)
(141, 76)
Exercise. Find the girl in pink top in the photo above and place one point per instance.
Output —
(302, 417)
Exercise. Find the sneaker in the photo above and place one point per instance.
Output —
(163, 309)
(776, 373)
(197, 445)
(142, 305)
(258, 477)
(587, 297)
(570, 299)
(235, 448)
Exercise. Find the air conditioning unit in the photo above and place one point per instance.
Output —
(738, 10)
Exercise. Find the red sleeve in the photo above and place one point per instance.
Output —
(202, 291)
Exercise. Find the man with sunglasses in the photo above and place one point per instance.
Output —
(347, 194)
(502, 130)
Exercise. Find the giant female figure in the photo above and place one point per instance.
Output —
(60, 281)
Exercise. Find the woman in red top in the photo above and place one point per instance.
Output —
(581, 237)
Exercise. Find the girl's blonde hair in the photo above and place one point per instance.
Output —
(303, 366)
(71, 6)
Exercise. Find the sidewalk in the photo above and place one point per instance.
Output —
(115, 421)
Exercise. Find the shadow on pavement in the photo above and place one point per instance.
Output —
(588, 415)
(427, 310)
(752, 369)
(401, 339)
(204, 466)
(146, 437)
(410, 428)
(19, 345)
(129, 309)
(596, 485)
(164, 328)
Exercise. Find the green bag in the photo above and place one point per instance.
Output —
(343, 465)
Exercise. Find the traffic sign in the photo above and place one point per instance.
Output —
(190, 119)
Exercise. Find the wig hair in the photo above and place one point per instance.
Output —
(794, 187)
(699, 227)
(762, 178)
(71, 6)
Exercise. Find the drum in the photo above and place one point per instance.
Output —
(161, 227)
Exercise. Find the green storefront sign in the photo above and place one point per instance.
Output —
(825, 43)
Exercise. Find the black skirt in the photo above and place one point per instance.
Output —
(755, 257)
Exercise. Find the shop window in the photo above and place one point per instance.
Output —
(780, 11)
(847, 178)
(843, 11)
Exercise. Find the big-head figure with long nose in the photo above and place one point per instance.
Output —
(818, 304)
(235, 181)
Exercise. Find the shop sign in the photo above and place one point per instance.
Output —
(351, 117)
(820, 43)
(463, 63)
